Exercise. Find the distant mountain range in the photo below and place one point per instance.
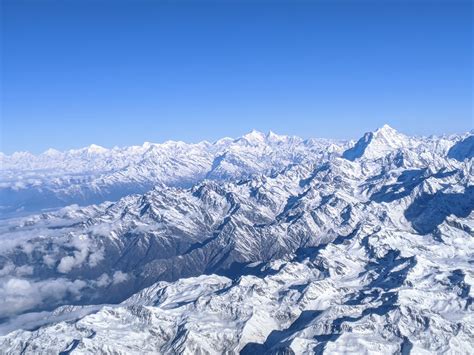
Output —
(261, 244)
(94, 174)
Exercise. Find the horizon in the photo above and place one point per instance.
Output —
(122, 73)
(265, 134)
(236, 176)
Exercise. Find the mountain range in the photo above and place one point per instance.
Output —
(261, 244)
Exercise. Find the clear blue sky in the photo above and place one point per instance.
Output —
(123, 72)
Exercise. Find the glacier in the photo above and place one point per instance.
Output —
(264, 244)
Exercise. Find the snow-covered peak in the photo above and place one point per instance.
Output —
(51, 152)
(323, 256)
(95, 174)
(96, 149)
(386, 129)
(389, 136)
(92, 149)
(23, 155)
(273, 137)
(377, 143)
(147, 145)
(254, 137)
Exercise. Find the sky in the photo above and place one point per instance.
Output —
(122, 72)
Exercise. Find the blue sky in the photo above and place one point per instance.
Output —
(125, 72)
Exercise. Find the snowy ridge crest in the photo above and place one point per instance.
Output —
(260, 245)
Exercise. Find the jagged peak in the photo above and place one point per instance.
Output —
(386, 128)
(147, 145)
(377, 143)
(254, 136)
(388, 132)
(272, 136)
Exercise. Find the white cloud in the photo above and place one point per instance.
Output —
(66, 264)
(96, 257)
(24, 270)
(28, 248)
(49, 260)
(103, 280)
(36, 319)
(7, 269)
(18, 295)
(83, 252)
(119, 277)
(11, 270)
(103, 229)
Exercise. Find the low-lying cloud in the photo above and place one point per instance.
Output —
(19, 294)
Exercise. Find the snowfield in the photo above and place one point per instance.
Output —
(265, 244)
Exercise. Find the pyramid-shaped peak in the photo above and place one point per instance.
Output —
(377, 143)
(254, 136)
(385, 128)
(389, 136)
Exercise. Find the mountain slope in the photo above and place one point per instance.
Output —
(463, 149)
(375, 289)
(328, 253)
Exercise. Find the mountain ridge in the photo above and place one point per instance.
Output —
(316, 254)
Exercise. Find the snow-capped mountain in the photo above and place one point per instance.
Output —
(379, 143)
(263, 244)
(94, 174)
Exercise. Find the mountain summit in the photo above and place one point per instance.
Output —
(377, 143)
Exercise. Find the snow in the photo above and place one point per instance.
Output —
(275, 245)
(95, 174)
